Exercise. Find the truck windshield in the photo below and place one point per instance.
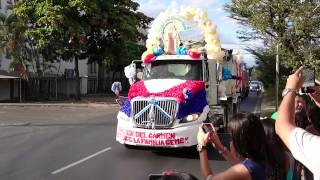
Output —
(174, 69)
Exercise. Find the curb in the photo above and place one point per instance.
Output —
(86, 105)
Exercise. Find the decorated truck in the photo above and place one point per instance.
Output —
(180, 82)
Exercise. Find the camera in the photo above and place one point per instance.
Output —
(306, 90)
(308, 75)
(207, 127)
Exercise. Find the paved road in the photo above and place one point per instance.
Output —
(79, 143)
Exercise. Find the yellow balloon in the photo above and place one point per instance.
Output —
(203, 15)
(189, 16)
(215, 42)
(210, 52)
(192, 11)
(210, 31)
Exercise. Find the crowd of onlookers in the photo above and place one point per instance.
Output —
(285, 146)
(281, 148)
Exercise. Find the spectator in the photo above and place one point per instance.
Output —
(283, 159)
(314, 127)
(316, 95)
(249, 153)
(299, 104)
(304, 146)
(301, 119)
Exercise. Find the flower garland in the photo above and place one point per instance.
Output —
(181, 92)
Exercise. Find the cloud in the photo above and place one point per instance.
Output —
(228, 20)
(152, 7)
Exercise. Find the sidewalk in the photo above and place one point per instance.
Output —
(88, 101)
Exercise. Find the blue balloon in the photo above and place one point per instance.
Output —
(182, 51)
(158, 52)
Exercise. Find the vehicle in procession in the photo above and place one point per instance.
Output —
(180, 83)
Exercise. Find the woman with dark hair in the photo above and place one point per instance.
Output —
(283, 161)
(250, 154)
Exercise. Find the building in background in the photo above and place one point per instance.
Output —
(57, 82)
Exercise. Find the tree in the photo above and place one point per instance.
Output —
(291, 23)
(265, 66)
(81, 29)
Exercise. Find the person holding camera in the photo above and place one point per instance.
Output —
(249, 155)
(302, 144)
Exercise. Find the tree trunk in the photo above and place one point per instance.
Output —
(76, 71)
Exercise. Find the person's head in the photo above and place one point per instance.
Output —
(314, 116)
(248, 137)
(301, 119)
(276, 148)
(299, 104)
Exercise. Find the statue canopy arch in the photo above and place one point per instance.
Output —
(165, 31)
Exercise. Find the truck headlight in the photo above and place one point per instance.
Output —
(190, 118)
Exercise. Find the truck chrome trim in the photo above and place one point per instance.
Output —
(154, 112)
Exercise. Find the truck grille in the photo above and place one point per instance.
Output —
(164, 111)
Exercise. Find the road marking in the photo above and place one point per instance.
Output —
(81, 161)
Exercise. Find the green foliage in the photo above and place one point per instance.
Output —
(292, 24)
(265, 70)
(88, 28)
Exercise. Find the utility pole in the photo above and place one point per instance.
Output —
(277, 78)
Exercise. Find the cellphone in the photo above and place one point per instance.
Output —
(308, 75)
(306, 90)
(208, 127)
(155, 176)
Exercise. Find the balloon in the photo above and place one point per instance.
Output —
(194, 54)
(158, 52)
(149, 58)
(145, 54)
(211, 47)
(210, 56)
(188, 16)
(181, 51)
(203, 15)
(210, 31)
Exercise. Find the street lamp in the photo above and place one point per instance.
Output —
(277, 77)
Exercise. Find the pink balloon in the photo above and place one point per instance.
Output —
(149, 58)
(194, 54)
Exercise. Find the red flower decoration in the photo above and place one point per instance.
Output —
(194, 54)
(149, 58)
(139, 89)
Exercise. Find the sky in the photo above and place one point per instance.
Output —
(227, 27)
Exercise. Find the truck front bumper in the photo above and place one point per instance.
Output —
(180, 136)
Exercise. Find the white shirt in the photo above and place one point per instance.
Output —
(305, 147)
